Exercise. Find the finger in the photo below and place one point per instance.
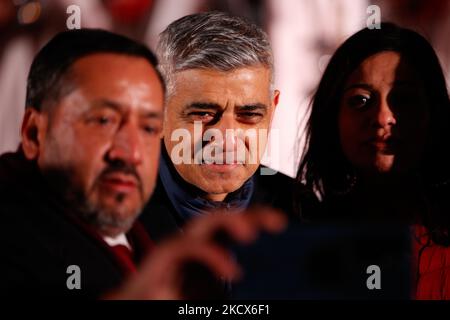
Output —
(268, 219)
(242, 227)
(161, 275)
(170, 257)
(214, 257)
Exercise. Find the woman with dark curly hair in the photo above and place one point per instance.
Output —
(377, 137)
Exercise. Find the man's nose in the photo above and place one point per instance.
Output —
(126, 146)
(230, 132)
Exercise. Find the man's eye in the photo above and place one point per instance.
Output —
(359, 101)
(251, 117)
(107, 121)
(152, 130)
(250, 114)
(104, 120)
(100, 120)
(201, 115)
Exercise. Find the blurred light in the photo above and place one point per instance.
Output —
(19, 2)
(323, 62)
(29, 13)
(128, 11)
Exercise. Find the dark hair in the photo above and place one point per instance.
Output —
(324, 167)
(52, 63)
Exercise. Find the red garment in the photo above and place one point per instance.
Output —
(433, 281)
(125, 259)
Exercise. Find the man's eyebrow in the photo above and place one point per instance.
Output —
(105, 103)
(253, 107)
(203, 106)
(152, 114)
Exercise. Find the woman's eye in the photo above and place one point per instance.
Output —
(404, 98)
(358, 101)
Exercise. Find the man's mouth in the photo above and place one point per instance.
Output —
(224, 159)
(222, 167)
(119, 182)
(224, 162)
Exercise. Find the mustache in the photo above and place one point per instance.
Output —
(120, 168)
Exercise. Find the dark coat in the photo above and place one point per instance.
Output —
(40, 241)
(161, 219)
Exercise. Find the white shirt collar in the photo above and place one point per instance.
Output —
(120, 239)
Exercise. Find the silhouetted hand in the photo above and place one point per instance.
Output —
(163, 274)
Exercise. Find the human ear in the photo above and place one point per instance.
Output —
(33, 126)
(276, 98)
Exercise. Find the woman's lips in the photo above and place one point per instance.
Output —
(383, 144)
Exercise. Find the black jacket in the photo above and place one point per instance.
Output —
(40, 241)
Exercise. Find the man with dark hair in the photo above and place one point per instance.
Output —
(52, 64)
(219, 106)
(87, 165)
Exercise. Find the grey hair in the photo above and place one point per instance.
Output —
(212, 40)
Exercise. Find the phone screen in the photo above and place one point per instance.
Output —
(327, 262)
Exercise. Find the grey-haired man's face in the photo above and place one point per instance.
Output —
(223, 119)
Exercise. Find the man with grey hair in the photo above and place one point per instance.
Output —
(87, 164)
(219, 106)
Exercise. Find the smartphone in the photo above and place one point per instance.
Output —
(327, 261)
